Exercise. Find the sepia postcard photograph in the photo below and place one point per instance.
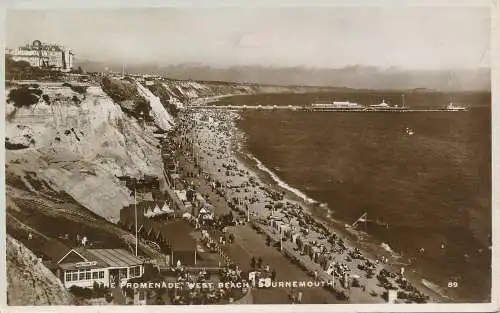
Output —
(276, 156)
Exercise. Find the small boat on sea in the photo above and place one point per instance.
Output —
(409, 131)
(454, 108)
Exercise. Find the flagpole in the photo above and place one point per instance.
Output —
(135, 209)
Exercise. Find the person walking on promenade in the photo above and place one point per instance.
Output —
(299, 297)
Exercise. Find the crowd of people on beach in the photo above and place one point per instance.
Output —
(208, 137)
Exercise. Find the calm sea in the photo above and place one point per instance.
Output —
(432, 189)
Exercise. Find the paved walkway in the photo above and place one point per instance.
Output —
(251, 244)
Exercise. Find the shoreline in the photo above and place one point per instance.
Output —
(322, 215)
(234, 153)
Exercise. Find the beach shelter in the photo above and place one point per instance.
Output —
(287, 232)
(299, 243)
(323, 261)
(314, 253)
(206, 214)
(202, 213)
(307, 248)
(204, 234)
(331, 268)
(274, 224)
(283, 227)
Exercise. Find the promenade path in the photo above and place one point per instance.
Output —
(248, 243)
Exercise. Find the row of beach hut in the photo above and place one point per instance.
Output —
(155, 210)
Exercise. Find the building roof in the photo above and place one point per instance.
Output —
(99, 258)
(116, 257)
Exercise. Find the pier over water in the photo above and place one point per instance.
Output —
(306, 108)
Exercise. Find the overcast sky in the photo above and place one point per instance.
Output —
(416, 38)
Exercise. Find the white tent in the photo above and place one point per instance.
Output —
(156, 211)
(147, 212)
(166, 208)
(186, 215)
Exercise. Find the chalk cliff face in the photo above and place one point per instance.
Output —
(67, 144)
(82, 144)
(162, 118)
(80, 139)
(29, 282)
(192, 91)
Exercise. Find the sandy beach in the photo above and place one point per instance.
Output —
(325, 253)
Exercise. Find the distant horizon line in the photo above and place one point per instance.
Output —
(251, 83)
(200, 64)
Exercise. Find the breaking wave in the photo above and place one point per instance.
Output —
(386, 247)
(281, 183)
(432, 286)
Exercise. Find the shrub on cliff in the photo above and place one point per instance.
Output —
(23, 70)
(81, 89)
(124, 93)
(24, 96)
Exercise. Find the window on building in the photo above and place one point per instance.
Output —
(101, 274)
(123, 273)
(68, 276)
(95, 275)
(132, 271)
(74, 276)
(81, 275)
(142, 295)
(88, 275)
(135, 271)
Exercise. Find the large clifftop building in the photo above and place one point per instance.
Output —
(40, 54)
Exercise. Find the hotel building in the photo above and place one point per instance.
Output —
(40, 54)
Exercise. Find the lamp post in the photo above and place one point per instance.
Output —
(281, 240)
